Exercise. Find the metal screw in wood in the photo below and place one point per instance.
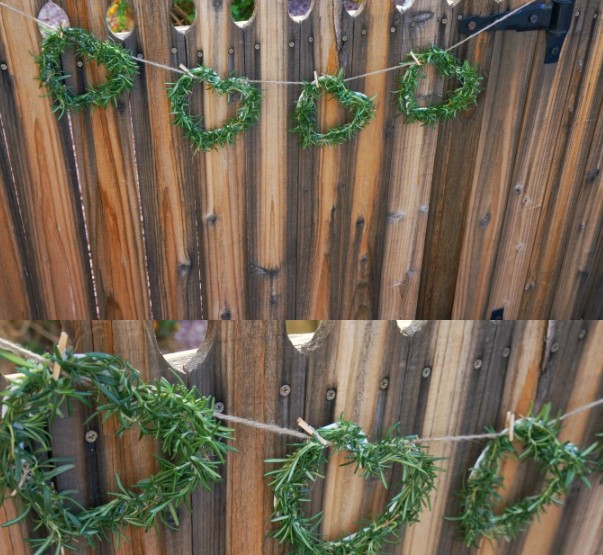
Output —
(384, 383)
(219, 407)
(554, 347)
(91, 436)
(478, 364)
(582, 333)
(285, 390)
(426, 372)
(506, 352)
(331, 394)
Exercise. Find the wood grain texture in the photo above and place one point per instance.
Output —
(44, 183)
(446, 378)
(499, 208)
(106, 161)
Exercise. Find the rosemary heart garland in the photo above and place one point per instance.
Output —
(204, 139)
(562, 462)
(372, 460)
(193, 445)
(361, 106)
(458, 100)
(121, 69)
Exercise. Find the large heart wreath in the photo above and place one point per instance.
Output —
(373, 460)
(562, 463)
(193, 445)
(121, 69)
(204, 139)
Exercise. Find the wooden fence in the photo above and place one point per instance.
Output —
(446, 378)
(109, 214)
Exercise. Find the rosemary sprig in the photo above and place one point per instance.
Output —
(204, 139)
(447, 65)
(562, 463)
(372, 460)
(361, 106)
(121, 69)
(193, 445)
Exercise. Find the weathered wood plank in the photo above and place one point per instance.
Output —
(221, 183)
(571, 219)
(166, 169)
(409, 176)
(44, 179)
(14, 290)
(106, 161)
(542, 141)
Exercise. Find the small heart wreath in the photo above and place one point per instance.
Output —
(372, 459)
(121, 69)
(362, 107)
(193, 445)
(204, 139)
(562, 461)
(446, 65)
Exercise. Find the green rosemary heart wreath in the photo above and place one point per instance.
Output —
(359, 104)
(563, 462)
(204, 139)
(456, 101)
(193, 445)
(372, 459)
(121, 69)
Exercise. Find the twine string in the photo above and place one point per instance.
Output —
(279, 430)
(276, 82)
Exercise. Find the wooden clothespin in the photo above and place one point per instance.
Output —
(510, 424)
(56, 369)
(311, 431)
(315, 82)
(412, 55)
(186, 70)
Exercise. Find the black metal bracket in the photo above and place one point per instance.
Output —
(554, 18)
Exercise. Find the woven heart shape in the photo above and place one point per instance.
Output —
(458, 100)
(247, 115)
(121, 69)
(562, 462)
(360, 105)
(193, 445)
(372, 460)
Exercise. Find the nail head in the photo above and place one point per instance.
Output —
(219, 407)
(506, 352)
(174, 50)
(3, 67)
(426, 372)
(331, 394)
(582, 333)
(257, 46)
(478, 363)
(291, 44)
(554, 347)
(384, 384)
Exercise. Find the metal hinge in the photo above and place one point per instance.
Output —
(554, 18)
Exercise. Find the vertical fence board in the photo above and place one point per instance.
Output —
(222, 185)
(570, 218)
(411, 168)
(541, 144)
(165, 166)
(105, 157)
(45, 182)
